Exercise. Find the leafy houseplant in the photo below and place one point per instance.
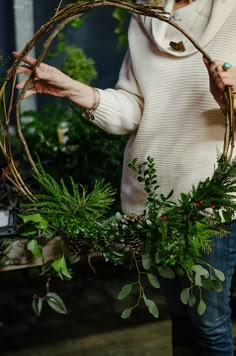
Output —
(166, 239)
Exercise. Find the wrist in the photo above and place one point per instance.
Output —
(89, 113)
(82, 95)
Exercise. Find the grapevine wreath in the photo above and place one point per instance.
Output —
(167, 239)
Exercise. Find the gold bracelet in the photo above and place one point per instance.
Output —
(89, 113)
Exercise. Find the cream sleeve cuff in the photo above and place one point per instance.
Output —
(118, 112)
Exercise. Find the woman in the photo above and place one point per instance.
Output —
(163, 100)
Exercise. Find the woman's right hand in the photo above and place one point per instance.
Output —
(50, 80)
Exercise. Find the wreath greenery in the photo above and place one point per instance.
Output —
(167, 239)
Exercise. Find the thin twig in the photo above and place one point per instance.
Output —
(58, 7)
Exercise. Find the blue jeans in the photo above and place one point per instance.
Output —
(211, 333)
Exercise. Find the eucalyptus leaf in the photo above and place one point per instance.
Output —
(185, 296)
(200, 270)
(152, 308)
(198, 280)
(219, 274)
(166, 272)
(153, 280)
(201, 307)
(217, 286)
(192, 300)
(125, 291)
(208, 283)
(146, 261)
(118, 216)
(126, 313)
(157, 258)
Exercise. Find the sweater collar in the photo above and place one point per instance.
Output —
(218, 13)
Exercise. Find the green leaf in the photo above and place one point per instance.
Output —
(166, 272)
(198, 280)
(157, 258)
(6, 245)
(184, 198)
(40, 222)
(35, 249)
(153, 280)
(61, 46)
(126, 313)
(29, 232)
(76, 23)
(118, 216)
(192, 300)
(152, 308)
(60, 267)
(170, 194)
(217, 285)
(125, 290)
(200, 270)
(37, 304)
(163, 198)
(4, 260)
(185, 296)
(208, 283)
(56, 302)
(179, 271)
(201, 307)
(146, 261)
(149, 222)
(219, 274)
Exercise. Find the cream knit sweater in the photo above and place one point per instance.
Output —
(162, 98)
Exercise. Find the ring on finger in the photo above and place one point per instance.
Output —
(227, 65)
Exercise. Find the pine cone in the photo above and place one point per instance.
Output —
(126, 219)
(76, 245)
(132, 244)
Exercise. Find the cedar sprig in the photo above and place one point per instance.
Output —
(69, 210)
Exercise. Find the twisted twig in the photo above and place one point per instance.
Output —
(51, 28)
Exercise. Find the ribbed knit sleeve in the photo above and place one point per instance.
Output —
(120, 109)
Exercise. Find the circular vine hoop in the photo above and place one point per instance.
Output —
(51, 28)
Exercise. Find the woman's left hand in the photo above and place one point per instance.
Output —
(219, 79)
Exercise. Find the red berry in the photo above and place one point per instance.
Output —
(213, 206)
(164, 218)
(201, 202)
